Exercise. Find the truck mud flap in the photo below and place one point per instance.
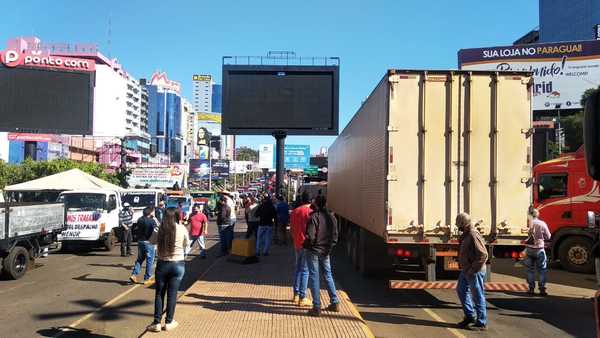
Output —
(489, 286)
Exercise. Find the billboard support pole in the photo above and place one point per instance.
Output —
(279, 167)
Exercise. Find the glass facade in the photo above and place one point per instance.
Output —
(217, 93)
(164, 122)
(567, 20)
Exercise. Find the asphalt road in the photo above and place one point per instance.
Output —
(89, 291)
(434, 313)
(73, 289)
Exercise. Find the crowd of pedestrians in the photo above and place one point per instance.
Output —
(162, 236)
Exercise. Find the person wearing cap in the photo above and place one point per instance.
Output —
(472, 256)
(126, 222)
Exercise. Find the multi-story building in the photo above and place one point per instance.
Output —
(189, 126)
(202, 86)
(568, 20)
(165, 117)
(118, 110)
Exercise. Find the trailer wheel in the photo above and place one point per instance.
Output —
(109, 241)
(575, 254)
(16, 263)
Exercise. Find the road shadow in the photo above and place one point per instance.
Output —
(107, 313)
(268, 306)
(544, 309)
(69, 332)
(120, 265)
(400, 319)
(86, 278)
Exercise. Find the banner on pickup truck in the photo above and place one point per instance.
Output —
(82, 225)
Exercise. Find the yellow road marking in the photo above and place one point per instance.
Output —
(435, 316)
(89, 315)
(363, 326)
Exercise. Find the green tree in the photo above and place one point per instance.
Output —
(246, 154)
(587, 94)
(30, 170)
(573, 128)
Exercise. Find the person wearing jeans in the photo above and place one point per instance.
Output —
(266, 214)
(146, 226)
(321, 237)
(298, 221)
(224, 225)
(198, 225)
(472, 256)
(172, 241)
(536, 256)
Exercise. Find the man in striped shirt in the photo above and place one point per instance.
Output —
(126, 222)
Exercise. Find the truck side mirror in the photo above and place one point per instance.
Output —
(591, 134)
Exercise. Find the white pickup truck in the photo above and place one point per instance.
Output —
(26, 231)
(92, 218)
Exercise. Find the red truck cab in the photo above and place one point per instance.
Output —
(564, 193)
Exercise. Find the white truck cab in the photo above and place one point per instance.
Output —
(139, 199)
(92, 217)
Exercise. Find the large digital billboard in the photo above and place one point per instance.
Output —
(299, 100)
(46, 100)
(561, 71)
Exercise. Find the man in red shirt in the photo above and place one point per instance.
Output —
(298, 220)
(198, 227)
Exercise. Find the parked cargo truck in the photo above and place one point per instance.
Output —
(565, 194)
(26, 232)
(425, 146)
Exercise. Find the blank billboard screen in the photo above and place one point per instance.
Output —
(300, 100)
(48, 101)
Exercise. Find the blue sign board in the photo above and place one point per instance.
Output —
(296, 156)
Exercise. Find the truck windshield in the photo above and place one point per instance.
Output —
(138, 200)
(83, 201)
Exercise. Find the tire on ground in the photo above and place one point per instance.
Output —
(17, 262)
(575, 254)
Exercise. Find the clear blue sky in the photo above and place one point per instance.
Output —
(187, 37)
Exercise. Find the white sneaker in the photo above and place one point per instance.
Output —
(154, 327)
(170, 326)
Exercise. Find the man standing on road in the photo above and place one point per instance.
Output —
(298, 221)
(472, 256)
(266, 214)
(536, 255)
(223, 224)
(146, 225)
(126, 222)
(198, 224)
(321, 237)
(160, 211)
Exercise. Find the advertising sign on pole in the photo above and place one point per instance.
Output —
(296, 156)
(199, 169)
(220, 168)
(266, 156)
(561, 71)
(157, 176)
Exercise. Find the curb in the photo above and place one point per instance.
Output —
(363, 326)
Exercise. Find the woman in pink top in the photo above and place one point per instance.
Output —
(172, 240)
